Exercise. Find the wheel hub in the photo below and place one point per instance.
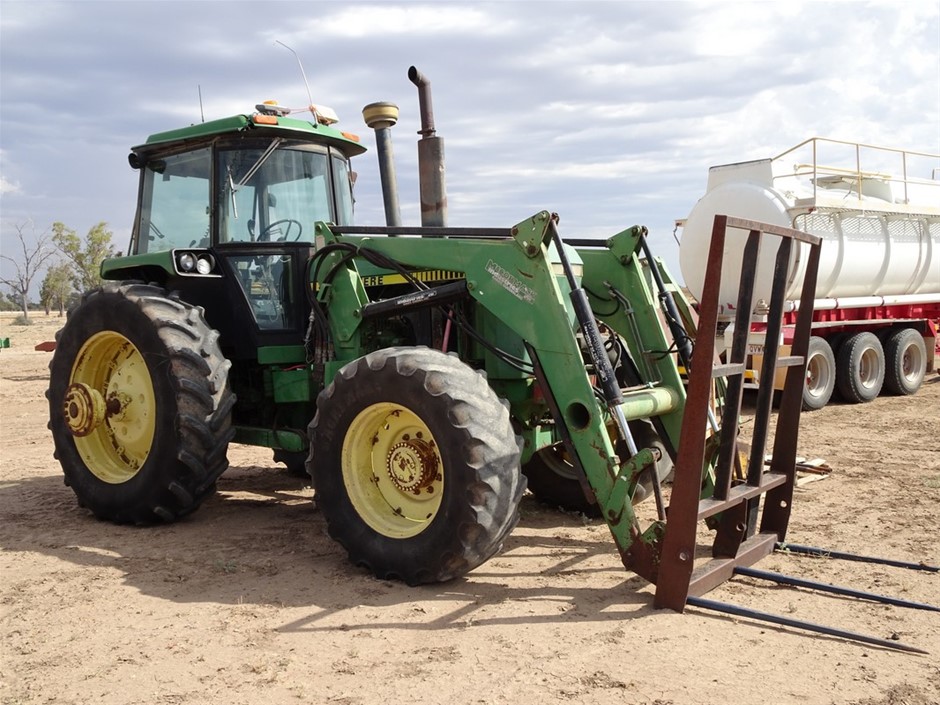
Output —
(412, 465)
(815, 375)
(84, 409)
(110, 407)
(393, 470)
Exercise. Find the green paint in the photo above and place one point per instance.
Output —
(282, 355)
(286, 127)
(291, 440)
(291, 385)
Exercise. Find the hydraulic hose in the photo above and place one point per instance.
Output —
(592, 336)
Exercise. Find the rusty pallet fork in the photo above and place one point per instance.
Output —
(734, 507)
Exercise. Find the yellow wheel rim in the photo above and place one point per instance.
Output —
(110, 408)
(392, 470)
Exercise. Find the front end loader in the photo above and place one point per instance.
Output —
(422, 376)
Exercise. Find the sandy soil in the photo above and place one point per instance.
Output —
(249, 601)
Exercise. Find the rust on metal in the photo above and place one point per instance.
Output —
(84, 409)
(735, 502)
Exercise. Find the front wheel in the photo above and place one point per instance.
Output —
(415, 464)
(139, 405)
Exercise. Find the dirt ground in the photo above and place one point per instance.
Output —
(249, 601)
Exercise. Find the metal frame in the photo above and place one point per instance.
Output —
(734, 507)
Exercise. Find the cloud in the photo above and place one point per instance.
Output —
(608, 112)
(8, 186)
(381, 21)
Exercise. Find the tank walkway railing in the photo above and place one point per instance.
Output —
(735, 504)
(869, 166)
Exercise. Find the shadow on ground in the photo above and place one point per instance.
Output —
(261, 541)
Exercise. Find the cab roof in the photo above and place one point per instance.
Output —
(261, 124)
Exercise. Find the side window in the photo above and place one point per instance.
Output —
(174, 210)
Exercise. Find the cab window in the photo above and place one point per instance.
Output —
(273, 194)
(174, 206)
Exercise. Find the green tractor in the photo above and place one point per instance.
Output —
(421, 375)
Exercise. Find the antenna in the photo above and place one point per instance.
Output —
(306, 85)
(202, 113)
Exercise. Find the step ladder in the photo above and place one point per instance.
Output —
(744, 534)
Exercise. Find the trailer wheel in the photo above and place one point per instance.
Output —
(554, 481)
(820, 374)
(139, 405)
(861, 368)
(905, 361)
(415, 464)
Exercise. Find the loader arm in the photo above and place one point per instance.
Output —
(622, 297)
(514, 276)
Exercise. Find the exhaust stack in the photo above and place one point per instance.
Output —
(430, 158)
(381, 117)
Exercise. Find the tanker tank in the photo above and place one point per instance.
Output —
(881, 232)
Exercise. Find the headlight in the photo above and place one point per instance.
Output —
(205, 264)
(196, 263)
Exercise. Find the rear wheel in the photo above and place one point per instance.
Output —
(820, 374)
(139, 405)
(415, 464)
(905, 361)
(861, 368)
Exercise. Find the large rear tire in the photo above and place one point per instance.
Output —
(139, 405)
(820, 374)
(905, 361)
(415, 464)
(861, 368)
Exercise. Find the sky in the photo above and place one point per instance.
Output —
(608, 113)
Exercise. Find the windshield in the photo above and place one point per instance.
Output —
(266, 191)
(277, 195)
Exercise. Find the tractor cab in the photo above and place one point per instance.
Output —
(237, 199)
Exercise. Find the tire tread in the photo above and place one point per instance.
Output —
(481, 421)
(198, 375)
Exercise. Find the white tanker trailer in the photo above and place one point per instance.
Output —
(877, 303)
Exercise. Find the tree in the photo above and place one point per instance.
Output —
(8, 302)
(85, 256)
(28, 264)
(57, 287)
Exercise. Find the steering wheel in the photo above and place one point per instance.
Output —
(265, 235)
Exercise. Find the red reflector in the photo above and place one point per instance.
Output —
(260, 119)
